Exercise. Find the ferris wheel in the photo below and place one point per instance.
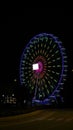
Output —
(43, 68)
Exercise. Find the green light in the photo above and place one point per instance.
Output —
(40, 95)
(43, 94)
(41, 44)
(23, 61)
(53, 72)
(48, 59)
(49, 82)
(55, 80)
(58, 58)
(45, 77)
(49, 66)
(42, 88)
(57, 73)
(43, 80)
(47, 74)
(51, 77)
(54, 46)
(30, 74)
(45, 86)
(27, 50)
(56, 51)
(49, 70)
(37, 39)
(47, 47)
(43, 51)
(58, 65)
(34, 42)
(35, 47)
(52, 55)
(50, 42)
(46, 38)
(53, 60)
(32, 87)
(51, 86)
(53, 66)
(44, 45)
(40, 51)
(41, 38)
(49, 62)
(22, 68)
(31, 46)
(38, 45)
(50, 51)
(47, 91)
(47, 55)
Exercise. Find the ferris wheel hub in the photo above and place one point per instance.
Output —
(38, 67)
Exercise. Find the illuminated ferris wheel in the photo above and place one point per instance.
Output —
(43, 68)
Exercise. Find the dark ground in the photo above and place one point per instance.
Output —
(52, 119)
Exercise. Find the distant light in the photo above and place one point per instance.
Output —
(24, 101)
(15, 80)
(3, 95)
(13, 95)
(35, 66)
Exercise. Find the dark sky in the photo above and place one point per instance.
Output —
(16, 31)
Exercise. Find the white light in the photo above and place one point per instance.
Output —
(35, 66)
(13, 95)
(3, 95)
(24, 101)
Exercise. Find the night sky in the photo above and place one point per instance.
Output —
(16, 31)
